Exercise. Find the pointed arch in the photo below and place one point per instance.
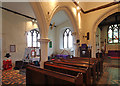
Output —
(68, 12)
(38, 10)
(105, 15)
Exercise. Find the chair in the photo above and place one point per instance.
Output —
(18, 64)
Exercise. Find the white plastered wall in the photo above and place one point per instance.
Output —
(52, 36)
(59, 35)
(14, 33)
(98, 40)
(56, 36)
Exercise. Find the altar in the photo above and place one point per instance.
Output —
(32, 54)
(31, 60)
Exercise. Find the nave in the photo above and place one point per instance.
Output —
(93, 24)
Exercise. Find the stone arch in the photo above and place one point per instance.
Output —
(38, 10)
(68, 12)
(105, 15)
(72, 18)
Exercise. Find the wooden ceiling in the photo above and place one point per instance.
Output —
(112, 19)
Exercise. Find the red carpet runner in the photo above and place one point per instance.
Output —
(115, 57)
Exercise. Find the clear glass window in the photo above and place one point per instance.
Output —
(32, 38)
(67, 39)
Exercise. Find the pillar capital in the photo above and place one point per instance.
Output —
(75, 44)
(45, 40)
(44, 50)
(74, 33)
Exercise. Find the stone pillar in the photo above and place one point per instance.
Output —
(93, 43)
(77, 51)
(76, 45)
(44, 51)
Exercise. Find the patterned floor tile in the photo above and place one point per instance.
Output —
(13, 77)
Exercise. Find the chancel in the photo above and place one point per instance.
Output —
(72, 43)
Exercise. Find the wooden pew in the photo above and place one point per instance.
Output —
(100, 64)
(98, 61)
(70, 70)
(85, 61)
(37, 76)
(80, 61)
(92, 67)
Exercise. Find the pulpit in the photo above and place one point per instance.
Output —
(85, 51)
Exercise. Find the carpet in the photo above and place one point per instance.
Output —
(110, 77)
(13, 77)
(0, 77)
(115, 57)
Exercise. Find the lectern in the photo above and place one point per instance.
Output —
(85, 51)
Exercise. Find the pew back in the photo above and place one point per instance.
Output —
(70, 70)
(45, 77)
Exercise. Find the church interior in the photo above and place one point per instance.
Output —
(72, 43)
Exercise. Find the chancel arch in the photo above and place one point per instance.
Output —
(102, 44)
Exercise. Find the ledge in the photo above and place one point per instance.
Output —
(44, 40)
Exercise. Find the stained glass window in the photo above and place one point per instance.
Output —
(32, 38)
(110, 36)
(114, 33)
(67, 39)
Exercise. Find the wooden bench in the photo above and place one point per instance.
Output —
(98, 61)
(80, 61)
(92, 67)
(70, 70)
(37, 76)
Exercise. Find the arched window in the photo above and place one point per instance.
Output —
(67, 39)
(114, 33)
(32, 38)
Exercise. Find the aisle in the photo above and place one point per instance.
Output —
(111, 74)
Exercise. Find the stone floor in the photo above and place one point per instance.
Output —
(111, 73)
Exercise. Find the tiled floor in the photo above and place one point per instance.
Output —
(110, 76)
(13, 77)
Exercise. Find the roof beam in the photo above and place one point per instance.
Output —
(97, 8)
